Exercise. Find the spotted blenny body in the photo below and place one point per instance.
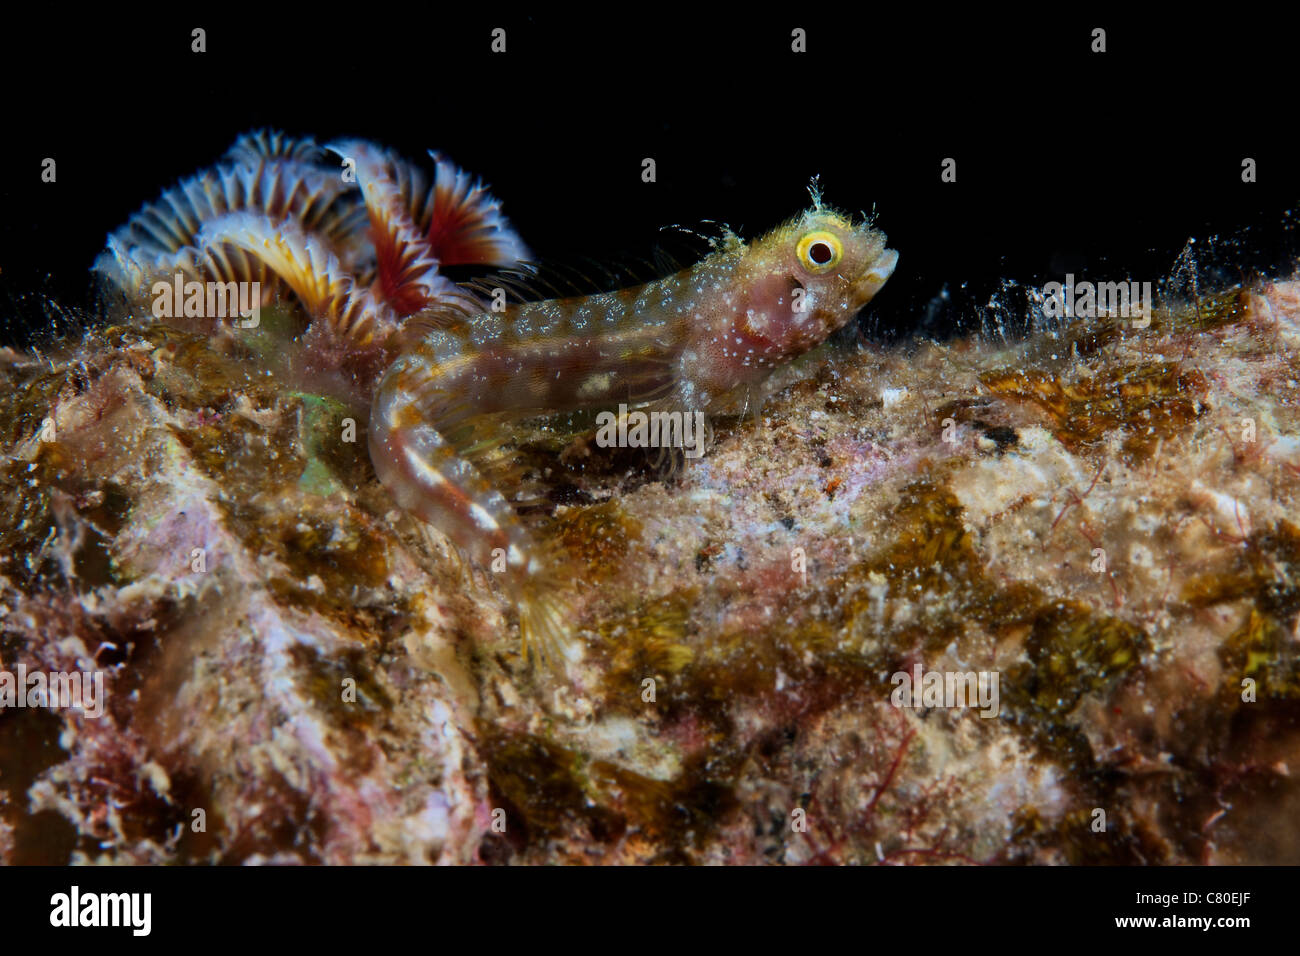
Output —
(359, 244)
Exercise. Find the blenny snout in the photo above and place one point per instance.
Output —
(869, 284)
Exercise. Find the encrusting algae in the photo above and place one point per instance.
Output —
(286, 650)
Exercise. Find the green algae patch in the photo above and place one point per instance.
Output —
(335, 555)
(931, 556)
(338, 569)
(317, 479)
(299, 452)
(596, 539)
(540, 781)
(547, 789)
(238, 452)
(1150, 403)
(1262, 650)
(1122, 842)
(334, 439)
(1266, 570)
(184, 371)
(648, 638)
(32, 393)
(1072, 652)
(347, 691)
(55, 526)
(278, 323)
(312, 441)
(1265, 573)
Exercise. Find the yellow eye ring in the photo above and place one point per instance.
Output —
(819, 252)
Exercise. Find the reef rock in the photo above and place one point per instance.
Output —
(1097, 523)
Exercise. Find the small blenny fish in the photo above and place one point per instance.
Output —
(705, 337)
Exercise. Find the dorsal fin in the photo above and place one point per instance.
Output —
(533, 280)
(448, 311)
(519, 284)
(681, 245)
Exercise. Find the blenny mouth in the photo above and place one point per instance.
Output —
(873, 279)
(881, 271)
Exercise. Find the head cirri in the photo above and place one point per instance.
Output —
(783, 294)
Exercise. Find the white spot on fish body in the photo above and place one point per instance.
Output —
(596, 385)
(482, 517)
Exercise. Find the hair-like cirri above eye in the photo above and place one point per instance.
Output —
(819, 252)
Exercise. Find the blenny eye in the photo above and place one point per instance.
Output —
(819, 252)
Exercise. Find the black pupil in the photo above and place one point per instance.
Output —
(819, 253)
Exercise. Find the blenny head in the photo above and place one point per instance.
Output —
(788, 291)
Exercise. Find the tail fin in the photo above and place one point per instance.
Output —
(548, 638)
(544, 597)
